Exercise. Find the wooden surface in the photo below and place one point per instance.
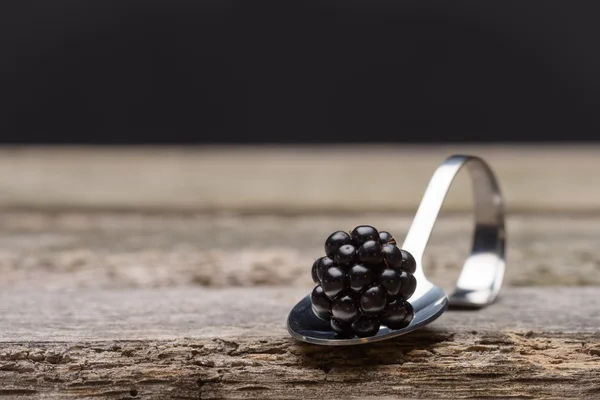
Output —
(131, 274)
(133, 250)
(289, 180)
(231, 343)
(113, 304)
(234, 313)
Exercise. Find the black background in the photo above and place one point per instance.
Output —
(283, 71)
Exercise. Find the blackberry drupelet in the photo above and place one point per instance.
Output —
(409, 264)
(333, 282)
(313, 271)
(345, 309)
(370, 252)
(386, 237)
(321, 266)
(390, 279)
(398, 314)
(392, 256)
(360, 278)
(321, 305)
(364, 233)
(365, 326)
(335, 241)
(345, 256)
(363, 282)
(373, 300)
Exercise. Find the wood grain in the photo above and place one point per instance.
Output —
(67, 250)
(231, 343)
(288, 180)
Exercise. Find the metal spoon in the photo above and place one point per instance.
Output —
(482, 273)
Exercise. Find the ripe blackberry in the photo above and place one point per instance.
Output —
(363, 282)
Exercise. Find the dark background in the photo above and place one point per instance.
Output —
(123, 71)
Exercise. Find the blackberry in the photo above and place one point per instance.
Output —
(363, 282)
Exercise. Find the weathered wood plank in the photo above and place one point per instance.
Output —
(134, 250)
(231, 343)
(425, 365)
(171, 313)
(288, 179)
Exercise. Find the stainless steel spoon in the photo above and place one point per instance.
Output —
(482, 273)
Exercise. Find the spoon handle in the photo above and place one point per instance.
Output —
(483, 271)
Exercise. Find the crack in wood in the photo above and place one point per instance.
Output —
(428, 363)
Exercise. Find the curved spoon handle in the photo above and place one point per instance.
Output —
(483, 271)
